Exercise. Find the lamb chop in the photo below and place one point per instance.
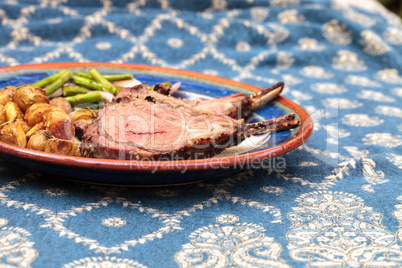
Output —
(239, 105)
(156, 127)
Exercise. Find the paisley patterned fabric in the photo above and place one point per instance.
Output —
(334, 202)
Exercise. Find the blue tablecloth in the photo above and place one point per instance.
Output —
(336, 202)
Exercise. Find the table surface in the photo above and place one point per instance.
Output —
(336, 201)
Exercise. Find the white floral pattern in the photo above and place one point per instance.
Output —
(374, 96)
(348, 61)
(259, 14)
(105, 262)
(284, 60)
(389, 110)
(337, 229)
(361, 81)
(316, 72)
(383, 139)
(390, 76)
(360, 18)
(55, 191)
(310, 44)
(272, 189)
(343, 103)
(373, 44)
(290, 16)
(393, 35)
(283, 3)
(397, 91)
(395, 159)
(114, 222)
(361, 120)
(240, 245)
(328, 88)
(337, 33)
(16, 250)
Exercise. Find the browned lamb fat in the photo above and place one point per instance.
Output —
(237, 106)
(162, 127)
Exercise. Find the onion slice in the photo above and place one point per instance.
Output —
(57, 93)
(127, 83)
(107, 96)
(174, 88)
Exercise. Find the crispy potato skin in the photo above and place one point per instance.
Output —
(37, 113)
(34, 129)
(7, 94)
(28, 119)
(82, 114)
(13, 112)
(13, 133)
(62, 147)
(26, 96)
(24, 125)
(3, 114)
(38, 140)
(61, 103)
(56, 120)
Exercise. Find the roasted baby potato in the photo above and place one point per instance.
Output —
(34, 129)
(62, 147)
(27, 95)
(37, 113)
(13, 112)
(38, 140)
(13, 133)
(82, 114)
(62, 103)
(7, 94)
(59, 124)
(3, 114)
(23, 124)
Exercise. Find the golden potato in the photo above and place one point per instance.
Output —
(82, 114)
(13, 112)
(23, 124)
(3, 114)
(62, 147)
(34, 129)
(37, 113)
(7, 94)
(27, 95)
(12, 133)
(38, 140)
(59, 124)
(61, 103)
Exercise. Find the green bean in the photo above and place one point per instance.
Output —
(48, 80)
(84, 98)
(110, 77)
(58, 83)
(101, 80)
(85, 75)
(118, 77)
(88, 83)
(71, 90)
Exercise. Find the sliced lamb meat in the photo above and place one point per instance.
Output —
(166, 128)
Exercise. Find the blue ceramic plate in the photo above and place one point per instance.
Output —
(150, 173)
